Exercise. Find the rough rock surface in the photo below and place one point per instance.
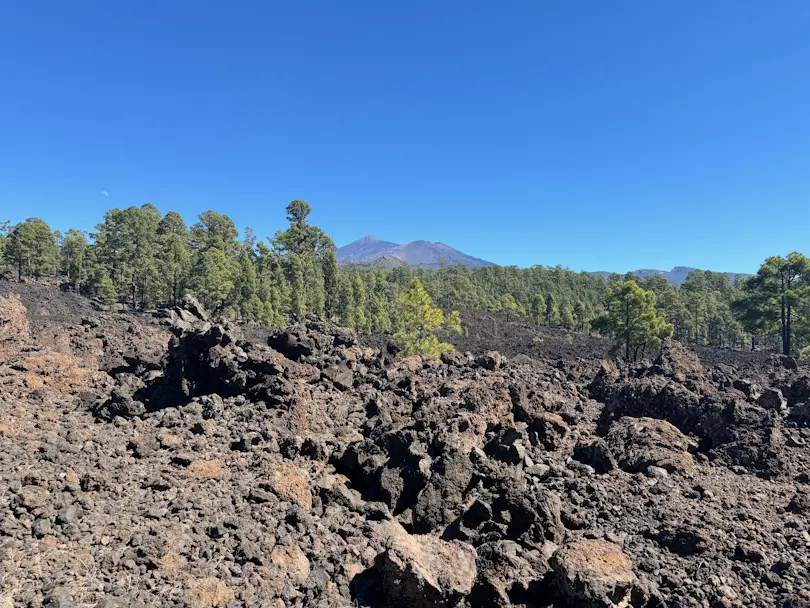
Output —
(167, 460)
(597, 574)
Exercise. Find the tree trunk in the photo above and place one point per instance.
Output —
(19, 270)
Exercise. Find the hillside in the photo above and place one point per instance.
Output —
(371, 251)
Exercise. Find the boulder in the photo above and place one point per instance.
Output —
(748, 387)
(678, 362)
(772, 399)
(596, 574)
(14, 331)
(340, 375)
(683, 541)
(800, 503)
(423, 571)
(789, 362)
(549, 430)
(289, 482)
(595, 453)
(638, 443)
(503, 573)
(491, 360)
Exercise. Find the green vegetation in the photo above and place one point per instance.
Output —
(140, 259)
(778, 296)
(633, 320)
(420, 321)
(31, 248)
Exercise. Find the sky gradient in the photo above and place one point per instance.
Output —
(596, 135)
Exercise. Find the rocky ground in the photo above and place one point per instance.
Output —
(166, 460)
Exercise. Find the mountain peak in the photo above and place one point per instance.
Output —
(372, 251)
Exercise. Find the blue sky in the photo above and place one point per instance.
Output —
(597, 135)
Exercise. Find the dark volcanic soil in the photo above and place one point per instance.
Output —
(512, 336)
(165, 461)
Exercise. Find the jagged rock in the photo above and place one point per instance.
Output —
(549, 430)
(289, 482)
(597, 574)
(789, 362)
(743, 433)
(748, 387)
(596, 453)
(678, 362)
(226, 472)
(799, 391)
(423, 571)
(296, 342)
(638, 443)
(32, 497)
(341, 376)
(192, 305)
(14, 329)
(749, 552)
(772, 399)
(682, 540)
(800, 503)
(504, 573)
(491, 361)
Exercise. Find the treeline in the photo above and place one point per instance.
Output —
(141, 259)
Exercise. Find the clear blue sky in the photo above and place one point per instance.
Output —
(597, 135)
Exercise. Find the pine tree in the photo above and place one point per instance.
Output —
(360, 319)
(538, 308)
(330, 283)
(316, 294)
(420, 321)
(105, 290)
(632, 319)
(346, 304)
(73, 254)
(779, 294)
(508, 304)
(379, 309)
(174, 257)
(298, 288)
(214, 279)
(5, 227)
(280, 297)
(247, 302)
(127, 243)
(214, 231)
(552, 313)
(580, 315)
(566, 316)
(31, 247)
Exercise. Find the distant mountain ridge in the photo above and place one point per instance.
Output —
(371, 251)
(676, 276)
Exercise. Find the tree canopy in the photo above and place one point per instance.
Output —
(420, 321)
(140, 258)
(633, 320)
